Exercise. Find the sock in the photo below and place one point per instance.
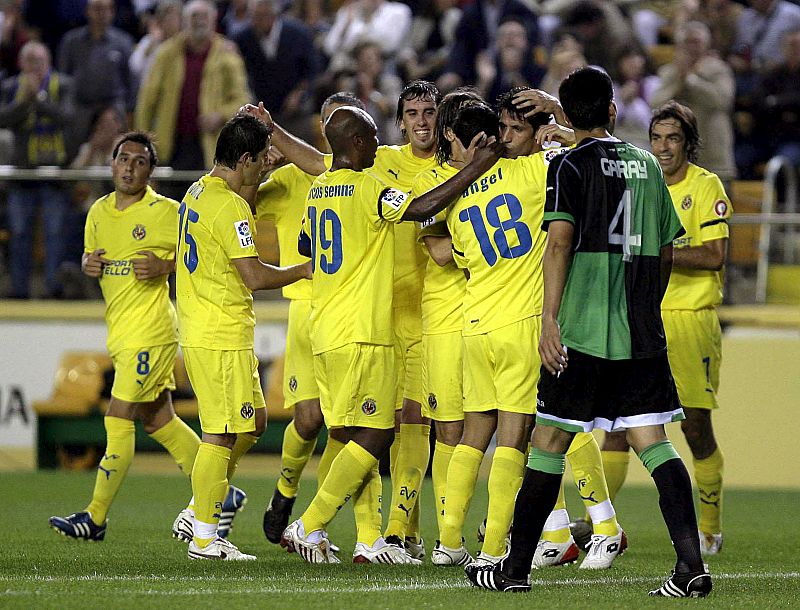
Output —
(209, 485)
(332, 449)
(556, 528)
(244, 442)
(181, 441)
(535, 501)
(346, 476)
(412, 462)
(587, 470)
(615, 467)
(675, 499)
(394, 451)
(120, 447)
(441, 461)
(295, 453)
(461, 477)
(708, 476)
(505, 478)
(367, 508)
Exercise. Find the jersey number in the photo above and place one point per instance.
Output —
(143, 363)
(619, 231)
(497, 243)
(188, 215)
(328, 228)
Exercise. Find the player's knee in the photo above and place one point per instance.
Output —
(615, 441)
(261, 422)
(308, 419)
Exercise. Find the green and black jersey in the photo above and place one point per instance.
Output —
(615, 196)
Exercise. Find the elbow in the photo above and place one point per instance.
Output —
(442, 258)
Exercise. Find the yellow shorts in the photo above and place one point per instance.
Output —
(501, 368)
(141, 374)
(299, 382)
(694, 347)
(227, 386)
(408, 354)
(442, 370)
(356, 385)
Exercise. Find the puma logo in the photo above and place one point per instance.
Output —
(407, 511)
(394, 173)
(107, 471)
(590, 497)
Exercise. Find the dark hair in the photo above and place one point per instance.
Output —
(241, 134)
(139, 137)
(417, 90)
(347, 98)
(446, 116)
(473, 119)
(688, 122)
(505, 101)
(586, 95)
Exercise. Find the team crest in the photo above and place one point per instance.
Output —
(432, 401)
(369, 406)
(138, 232)
(293, 384)
(247, 410)
(721, 208)
(686, 203)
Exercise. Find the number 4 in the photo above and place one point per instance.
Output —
(625, 239)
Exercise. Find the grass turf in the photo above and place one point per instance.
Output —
(139, 565)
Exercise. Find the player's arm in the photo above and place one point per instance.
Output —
(555, 265)
(92, 262)
(258, 275)
(440, 247)
(151, 266)
(485, 153)
(710, 256)
(301, 153)
(533, 101)
(667, 254)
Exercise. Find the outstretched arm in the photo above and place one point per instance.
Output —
(258, 275)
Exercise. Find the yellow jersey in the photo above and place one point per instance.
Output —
(349, 220)
(138, 312)
(704, 210)
(282, 199)
(215, 307)
(397, 166)
(444, 287)
(497, 236)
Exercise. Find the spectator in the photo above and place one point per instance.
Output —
(477, 30)
(509, 64)
(313, 14)
(278, 52)
(565, 58)
(633, 88)
(13, 35)
(36, 105)
(164, 24)
(430, 41)
(760, 34)
(379, 89)
(383, 22)
(196, 83)
(236, 18)
(107, 125)
(96, 56)
(699, 79)
(721, 17)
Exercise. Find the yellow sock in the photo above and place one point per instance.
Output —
(412, 462)
(461, 477)
(244, 443)
(367, 508)
(346, 476)
(587, 470)
(394, 451)
(209, 485)
(615, 467)
(332, 449)
(708, 476)
(556, 528)
(505, 479)
(120, 447)
(295, 453)
(181, 441)
(441, 461)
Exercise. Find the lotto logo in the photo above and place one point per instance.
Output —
(243, 233)
(247, 410)
(369, 406)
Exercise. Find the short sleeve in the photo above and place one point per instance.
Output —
(272, 193)
(670, 223)
(562, 191)
(392, 203)
(234, 227)
(422, 183)
(715, 212)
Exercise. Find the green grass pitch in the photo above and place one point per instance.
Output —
(140, 566)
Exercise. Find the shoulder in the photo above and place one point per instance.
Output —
(120, 37)
(99, 204)
(224, 47)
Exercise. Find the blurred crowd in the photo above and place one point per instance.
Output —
(76, 73)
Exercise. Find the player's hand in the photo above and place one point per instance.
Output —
(484, 151)
(261, 113)
(533, 101)
(150, 266)
(306, 267)
(547, 134)
(93, 262)
(553, 353)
